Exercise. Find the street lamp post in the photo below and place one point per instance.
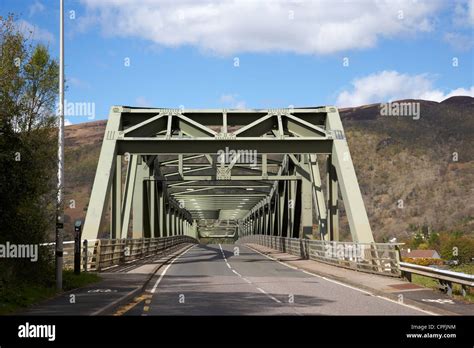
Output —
(60, 208)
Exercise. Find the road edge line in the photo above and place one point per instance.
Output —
(431, 310)
(166, 269)
(107, 310)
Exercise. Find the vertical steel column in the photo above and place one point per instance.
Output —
(138, 199)
(293, 199)
(161, 210)
(254, 223)
(102, 182)
(306, 202)
(276, 214)
(153, 209)
(128, 193)
(285, 209)
(271, 217)
(177, 218)
(116, 201)
(167, 216)
(265, 218)
(173, 222)
(257, 221)
(333, 211)
(298, 209)
(318, 198)
(146, 209)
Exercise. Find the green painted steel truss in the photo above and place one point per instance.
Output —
(161, 171)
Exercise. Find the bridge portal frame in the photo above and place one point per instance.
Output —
(142, 135)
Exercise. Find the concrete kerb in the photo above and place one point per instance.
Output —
(374, 291)
(111, 307)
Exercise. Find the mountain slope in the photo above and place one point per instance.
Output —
(412, 172)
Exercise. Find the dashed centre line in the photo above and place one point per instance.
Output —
(245, 279)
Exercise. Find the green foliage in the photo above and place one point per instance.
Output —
(423, 246)
(74, 281)
(434, 241)
(423, 261)
(434, 284)
(24, 295)
(452, 245)
(28, 80)
(417, 240)
(457, 247)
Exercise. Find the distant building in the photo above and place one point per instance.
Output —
(418, 254)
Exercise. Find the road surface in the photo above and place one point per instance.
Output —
(213, 280)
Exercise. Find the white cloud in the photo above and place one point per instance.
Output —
(67, 122)
(76, 82)
(459, 41)
(229, 27)
(142, 101)
(437, 95)
(37, 7)
(232, 101)
(386, 86)
(34, 32)
(464, 13)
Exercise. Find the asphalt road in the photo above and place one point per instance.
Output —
(213, 280)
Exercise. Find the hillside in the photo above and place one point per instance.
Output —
(407, 169)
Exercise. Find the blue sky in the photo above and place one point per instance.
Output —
(184, 53)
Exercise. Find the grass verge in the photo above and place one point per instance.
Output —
(433, 283)
(22, 296)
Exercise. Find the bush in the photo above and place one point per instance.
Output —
(423, 261)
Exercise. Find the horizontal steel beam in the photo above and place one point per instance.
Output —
(153, 146)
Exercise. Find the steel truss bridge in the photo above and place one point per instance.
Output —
(208, 173)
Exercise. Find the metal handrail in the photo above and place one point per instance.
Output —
(378, 258)
(99, 254)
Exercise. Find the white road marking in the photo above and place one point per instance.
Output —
(240, 275)
(270, 296)
(342, 284)
(248, 281)
(166, 269)
(407, 305)
(439, 300)
(274, 299)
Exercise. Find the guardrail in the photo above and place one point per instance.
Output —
(112, 252)
(100, 254)
(378, 258)
(446, 278)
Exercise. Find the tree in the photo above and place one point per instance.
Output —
(28, 91)
(417, 240)
(457, 247)
(434, 241)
